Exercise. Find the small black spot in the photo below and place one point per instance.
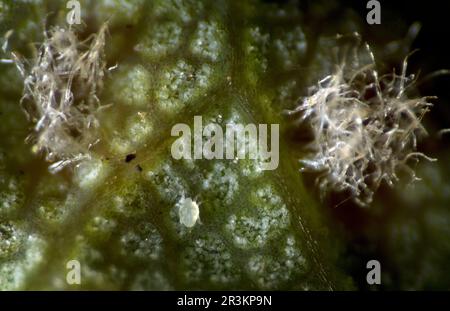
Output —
(130, 157)
(139, 168)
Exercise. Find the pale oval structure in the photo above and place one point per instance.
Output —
(188, 212)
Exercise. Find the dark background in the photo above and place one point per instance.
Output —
(432, 43)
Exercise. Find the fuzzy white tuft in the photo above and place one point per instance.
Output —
(365, 129)
(60, 94)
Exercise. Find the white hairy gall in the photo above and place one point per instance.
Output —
(365, 128)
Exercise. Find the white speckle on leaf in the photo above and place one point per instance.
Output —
(90, 173)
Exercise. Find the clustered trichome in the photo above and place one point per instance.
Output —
(60, 94)
(365, 128)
